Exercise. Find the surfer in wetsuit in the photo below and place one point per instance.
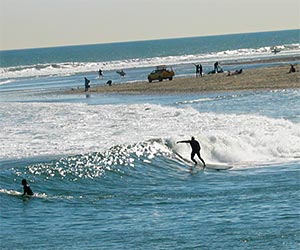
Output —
(86, 84)
(100, 72)
(27, 189)
(195, 149)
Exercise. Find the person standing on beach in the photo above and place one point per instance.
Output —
(197, 69)
(195, 145)
(200, 70)
(216, 67)
(26, 187)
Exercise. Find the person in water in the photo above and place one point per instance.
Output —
(86, 84)
(27, 189)
(100, 72)
(195, 150)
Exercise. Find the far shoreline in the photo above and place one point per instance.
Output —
(263, 78)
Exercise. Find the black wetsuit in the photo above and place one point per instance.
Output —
(195, 145)
(27, 190)
(86, 84)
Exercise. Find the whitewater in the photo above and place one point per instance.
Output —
(35, 129)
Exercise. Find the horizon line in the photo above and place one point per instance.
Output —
(142, 40)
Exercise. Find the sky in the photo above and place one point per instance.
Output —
(49, 23)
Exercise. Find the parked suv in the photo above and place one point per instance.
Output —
(161, 72)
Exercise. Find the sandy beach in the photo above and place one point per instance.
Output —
(276, 77)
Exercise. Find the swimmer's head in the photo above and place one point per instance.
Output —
(24, 182)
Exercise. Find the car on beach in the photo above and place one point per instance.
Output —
(160, 73)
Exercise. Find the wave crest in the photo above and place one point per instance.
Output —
(71, 68)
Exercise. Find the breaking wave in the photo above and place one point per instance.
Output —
(116, 131)
(71, 68)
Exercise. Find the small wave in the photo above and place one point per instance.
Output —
(2, 82)
(19, 194)
(196, 101)
(96, 165)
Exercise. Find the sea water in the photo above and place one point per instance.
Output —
(104, 167)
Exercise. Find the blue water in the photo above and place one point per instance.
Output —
(104, 167)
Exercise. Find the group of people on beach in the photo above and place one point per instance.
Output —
(101, 75)
(199, 69)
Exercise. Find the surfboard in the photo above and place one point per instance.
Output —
(218, 166)
(209, 165)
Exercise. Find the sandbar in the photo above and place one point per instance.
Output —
(264, 78)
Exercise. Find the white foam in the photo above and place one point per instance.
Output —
(5, 82)
(36, 129)
(70, 68)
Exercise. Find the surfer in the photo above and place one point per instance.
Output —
(100, 72)
(86, 84)
(195, 150)
(27, 189)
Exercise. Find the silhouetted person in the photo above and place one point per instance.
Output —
(216, 67)
(195, 149)
(100, 72)
(109, 82)
(27, 189)
(86, 84)
(198, 69)
(292, 69)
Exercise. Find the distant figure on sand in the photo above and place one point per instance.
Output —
(237, 72)
(86, 84)
(292, 69)
(216, 67)
(26, 187)
(195, 145)
(121, 73)
(198, 69)
(100, 72)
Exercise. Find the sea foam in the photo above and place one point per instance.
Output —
(36, 129)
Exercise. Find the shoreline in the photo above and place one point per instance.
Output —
(264, 78)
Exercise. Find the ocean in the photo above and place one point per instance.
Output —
(104, 168)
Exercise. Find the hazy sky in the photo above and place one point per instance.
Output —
(47, 23)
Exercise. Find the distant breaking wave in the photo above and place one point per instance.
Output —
(71, 68)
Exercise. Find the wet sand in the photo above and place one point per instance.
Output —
(276, 77)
